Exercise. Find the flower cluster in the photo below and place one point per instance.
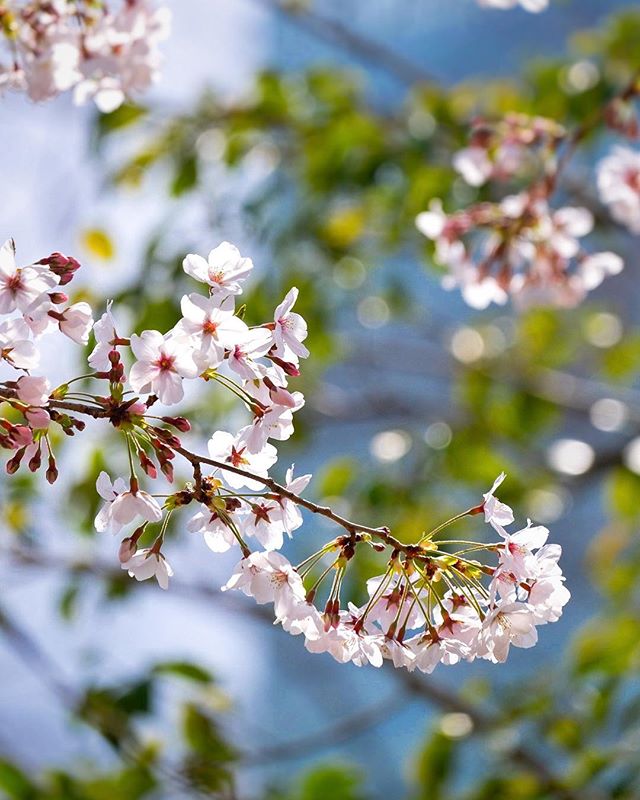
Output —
(434, 603)
(103, 55)
(499, 151)
(519, 247)
(430, 606)
(31, 306)
(528, 5)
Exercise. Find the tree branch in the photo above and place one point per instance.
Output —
(359, 46)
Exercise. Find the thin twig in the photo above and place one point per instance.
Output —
(364, 49)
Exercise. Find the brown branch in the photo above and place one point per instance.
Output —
(383, 534)
(359, 46)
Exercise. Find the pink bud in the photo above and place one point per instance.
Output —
(126, 550)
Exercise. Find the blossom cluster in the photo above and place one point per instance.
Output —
(101, 54)
(499, 151)
(32, 306)
(518, 248)
(430, 605)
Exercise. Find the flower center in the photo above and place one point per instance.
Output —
(14, 283)
(165, 363)
(236, 458)
(216, 277)
(210, 327)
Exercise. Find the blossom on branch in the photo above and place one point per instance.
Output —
(519, 248)
(433, 603)
(103, 55)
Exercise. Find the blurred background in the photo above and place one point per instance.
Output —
(310, 135)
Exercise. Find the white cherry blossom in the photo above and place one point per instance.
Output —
(105, 333)
(233, 450)
(33, 390)
(147, 563)
(290, 330)
(496, 513)
(163, 362)
(224, 270)
(21, 286)
(212, 326)
(16, 347)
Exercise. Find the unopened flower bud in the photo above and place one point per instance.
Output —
(13, 464)
(287, 366)
(36, 461)
(62, 266)
(167, 470)
(52, 470)
(126, 550)
(180, 423)
(147, 464)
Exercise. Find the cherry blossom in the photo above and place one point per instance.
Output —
(20, 287)
(147, 563)
(224, 447)
(224, 270)
(83, 46)
(16, 347)
(217, 534)
(212, 326)
(619, 186)
(273, 422)
(497, 514)
(163, 362)
(516, 144)
(105, 334)
(291, 514)
(76, 322)
(522, 248)
(517, 556)
(108, 491)
(243, 355)
(33, 390)
(122, 506)
(290, 330)
(427, 606)
(269, 578)
(509, 624)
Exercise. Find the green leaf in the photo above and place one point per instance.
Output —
(122, 117)
(624, 492)
(334, 782)
(337, 477)
(434, 766)
(184, 669)
(185, 176)
(14, 783)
